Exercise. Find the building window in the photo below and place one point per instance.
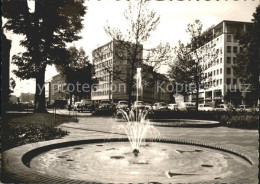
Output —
(234, 49)
(234, 60)
(220, 71)
(217, 71)
(234, 81)
(220, 81)
(228, 81)
(217, 82)
(214, 73)
(228, 38)
(228, 70)
(228, 60)
(220, 60)
(228, 49)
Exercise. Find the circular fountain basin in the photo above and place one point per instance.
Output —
(157, 162)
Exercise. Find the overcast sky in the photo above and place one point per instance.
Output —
(175, 15)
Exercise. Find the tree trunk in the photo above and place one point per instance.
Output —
(40, 92)
(197, 96)
(130, 86)
(109, 85)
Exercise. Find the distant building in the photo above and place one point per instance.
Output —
(57, 89)
(113, 74)
(27, 97)
(224, 86)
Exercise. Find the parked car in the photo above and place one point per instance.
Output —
(122, 105)
(148, 106)
(87, 105)
(105, 105)
(224, 107)
(244, 108)
(77, 106)
(160, 106)
(205, 107)
(189, 106)
(138, 105)
(173, 107)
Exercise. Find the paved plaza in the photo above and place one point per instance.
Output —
(244, 142)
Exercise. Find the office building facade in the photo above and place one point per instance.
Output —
(220, 81)
(113, 74)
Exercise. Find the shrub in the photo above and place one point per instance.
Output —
(32, 128)
(243, 120)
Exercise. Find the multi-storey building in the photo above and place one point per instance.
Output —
(113, 73)
(57, 89)
(221, 83)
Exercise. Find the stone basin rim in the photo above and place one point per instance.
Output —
(19, 169)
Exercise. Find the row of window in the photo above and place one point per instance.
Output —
(105, 78)
(228, 81)
(219, 82)
(235, 49)
(103, 86)
(104, 64)
(213, 83)
(213, 73)
(229, 60)
(229, 38)
(100, 93)
(107, 55)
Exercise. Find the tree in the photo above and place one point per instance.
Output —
(77, 71)
(12, 85)
(141, 22)
(192, 61)
(246, 66)
(46, 32)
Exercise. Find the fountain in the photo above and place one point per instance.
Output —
(137, 127)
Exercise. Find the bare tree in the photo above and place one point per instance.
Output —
(193, 60)
(141, 23)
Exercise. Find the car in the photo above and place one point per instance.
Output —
(104, 105)
(77, 106)
(189, 106)
(122, 105)
(148, 106)
(160, 106)
(244, 108)
(138, 105)
(224, 107)
(173, 107)
(205, 107)
(87, 105)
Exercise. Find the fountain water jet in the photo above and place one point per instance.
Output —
(136, 126)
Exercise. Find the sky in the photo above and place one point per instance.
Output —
(174, 17)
